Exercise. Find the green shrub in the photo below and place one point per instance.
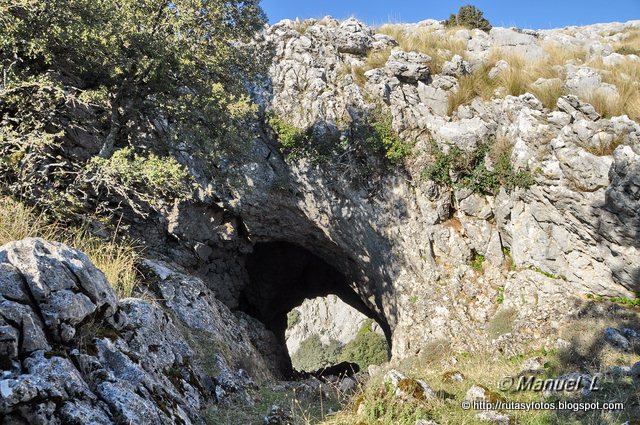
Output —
(141, 56)
(366, 348)
(477, 262)
(470, 17)
(312, 354)
(469, 169)
(293, 318)
(291, 138)
(383, 138)
(161, 176)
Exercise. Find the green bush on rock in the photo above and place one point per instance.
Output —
(471, 169)
(367, 348)
(154, 175)
(189, 62)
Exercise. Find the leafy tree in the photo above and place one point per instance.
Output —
(366, 348)
(470, 17)
(187, 61)
(312, 354)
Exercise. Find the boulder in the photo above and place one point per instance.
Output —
(354, 37)
(456, 67)
(408, 67)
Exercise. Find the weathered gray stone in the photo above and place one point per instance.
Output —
(409, 67)
(456, 67)
(617, 339)
(493, 417)
(352, 36)
(513, 42)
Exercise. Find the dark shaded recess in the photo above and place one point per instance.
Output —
(281, 276)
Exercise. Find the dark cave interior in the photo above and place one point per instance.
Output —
(282, 275)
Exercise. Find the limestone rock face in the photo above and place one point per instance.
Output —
(564, 237)
(514, 42)
(71, 353)
(328, 317)
(408, 67)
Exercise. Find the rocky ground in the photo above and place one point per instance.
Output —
(505, 270)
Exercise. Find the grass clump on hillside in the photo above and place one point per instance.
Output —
(440, 47)
(626, 79)
(522, 76)
(375, 59)
(630, 44)
(116, 260)
(376, 403)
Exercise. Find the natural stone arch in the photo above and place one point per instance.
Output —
(281, 275)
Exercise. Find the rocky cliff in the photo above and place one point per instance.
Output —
(430, 251)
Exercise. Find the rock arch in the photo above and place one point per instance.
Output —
(282, 275)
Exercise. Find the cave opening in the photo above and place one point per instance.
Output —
(282, 275)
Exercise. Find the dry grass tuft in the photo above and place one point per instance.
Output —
(441, 47)
(375, 59)
(626, 78)
(116, 260)
(476, 84)
(519, 78)
(630, 45)
(522, 75)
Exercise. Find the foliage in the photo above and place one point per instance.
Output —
(367, 348)
(500, 298)
(313, 354)
(509, 263)
(383, 138)
(477, 262)
(291, 138)
(293, 318)
(470, 17)
(373, 136)
(544, 273)
(117, 260)
(623, 301)
(470, 169)
(185, 60)
(160, 177)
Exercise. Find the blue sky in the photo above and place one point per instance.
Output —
(533, 14)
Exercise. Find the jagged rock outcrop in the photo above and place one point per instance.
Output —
(414, 234)
(328, 317)
(71, 353)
